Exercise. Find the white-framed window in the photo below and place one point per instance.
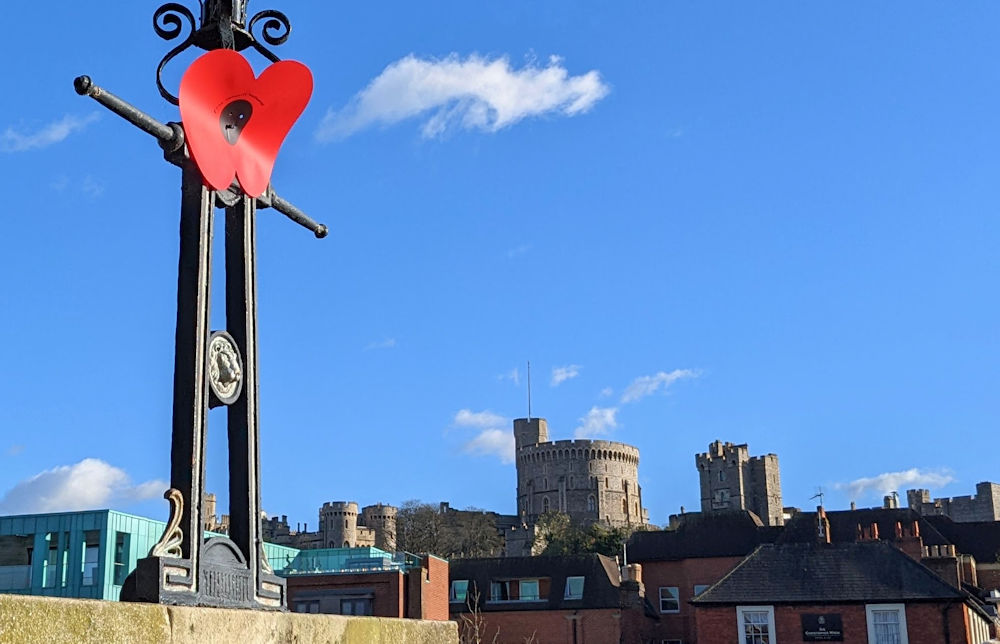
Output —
(699, 589)
(755, 624)
(528, 590)
(886, 623)
(459, 590)
(574, 588)
(670, 599)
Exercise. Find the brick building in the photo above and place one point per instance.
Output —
(367, 581)
(680, 563)
(579, 599)
(861, 593)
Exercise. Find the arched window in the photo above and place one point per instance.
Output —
(591, 503)
(571, 482)
(347, 544)
(545, 484)
(545, 504)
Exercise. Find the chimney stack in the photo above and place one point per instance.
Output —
(822, 525)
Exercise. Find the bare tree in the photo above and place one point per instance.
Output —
(472, 626)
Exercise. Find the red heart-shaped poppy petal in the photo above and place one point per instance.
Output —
(234, 123)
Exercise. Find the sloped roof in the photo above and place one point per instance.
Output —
(828, 573)
(716, 534)
(600, 589)
(801, 528)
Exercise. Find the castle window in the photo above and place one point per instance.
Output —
(624, 506)
(591, 503)
(545, 504)
(545, 483)
(571, 482)
(722, 475)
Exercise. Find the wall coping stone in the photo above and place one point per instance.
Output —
(29, 619)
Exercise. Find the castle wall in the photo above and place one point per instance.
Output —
(983, 506)
(591, 480)
(730, 479)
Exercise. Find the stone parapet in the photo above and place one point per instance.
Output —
(27, 619)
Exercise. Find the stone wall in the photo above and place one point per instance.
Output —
(591, 480)
(983, 506)
(27, 620)
(730, 479)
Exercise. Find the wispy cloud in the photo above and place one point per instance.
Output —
(895, 482)
(562, 374)
(599, 421)
(14, 450)
(494, 437)
(469, 418)
(388, 343)
(647, 385)
(513, 375)
(87, 485)
(475, 93)
(607, 392)
(13, 140)
(517, 251)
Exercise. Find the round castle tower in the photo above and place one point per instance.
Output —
(591, 480)
(382, 519)
(338, 523)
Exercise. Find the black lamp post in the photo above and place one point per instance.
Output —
(211, 368)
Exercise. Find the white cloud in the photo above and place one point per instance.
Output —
(494, 437)
(562, 374)
(388, 343)
(469, 418)
(513, 375)
(14, 450)
(14, 141)
(599, 421)
(887, 482)
(476, 93)
(606, 392)
(495, 442)
(87, 485)
(518, 251)
(646, 385)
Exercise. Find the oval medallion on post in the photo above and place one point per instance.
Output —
(225, 369)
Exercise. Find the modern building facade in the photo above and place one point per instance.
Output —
(84, 554)
(367, 581)
(592, 481)
(733, 480)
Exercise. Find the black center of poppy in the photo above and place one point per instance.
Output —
(234, 118)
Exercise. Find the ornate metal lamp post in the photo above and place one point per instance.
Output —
(211, 368)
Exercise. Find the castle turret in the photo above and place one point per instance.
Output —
(530, 431)
(339, 524)
(381, 519)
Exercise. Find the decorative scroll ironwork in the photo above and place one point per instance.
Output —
(274, 32)
(169, 544)
(169, 21)
(170, 16)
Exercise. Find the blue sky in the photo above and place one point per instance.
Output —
(771, 223)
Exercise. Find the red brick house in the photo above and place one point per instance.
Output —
(678, 564)
(579, 599)
(861, 593)
(418, 590)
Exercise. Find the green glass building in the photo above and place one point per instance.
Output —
(84, 554)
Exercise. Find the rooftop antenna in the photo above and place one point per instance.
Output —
(819, 495)
(529, 390)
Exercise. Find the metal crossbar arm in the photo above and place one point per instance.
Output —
(171, 138)
(289, 210)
